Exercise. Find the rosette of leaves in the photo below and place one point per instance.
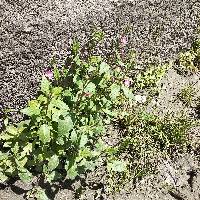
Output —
(62, 134)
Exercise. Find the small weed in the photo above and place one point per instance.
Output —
(151, 77)
(187, 95)
(145, 139)
(189, 62)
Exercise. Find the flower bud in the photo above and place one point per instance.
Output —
(49, 74)
(124, 40)
(127, 82)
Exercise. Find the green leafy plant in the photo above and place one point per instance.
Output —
(151, 77)
(189, 61)
(62, 134)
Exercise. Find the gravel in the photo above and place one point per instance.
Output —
(32, 31)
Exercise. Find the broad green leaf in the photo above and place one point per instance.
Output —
(83, 140)
(95, 153)
(56, 91)
(45, 85)
(7, 144)
(10, 170)
(77, 60)
(90, 88)
(109, 112)
(45, 169)
(53, 162)
(42, 99)
(80, 84)
(32, 109)
(9, 133)
(64, 126)
(8, 162)
(25, 175)
(3, 156)
(67, 93)
(84, 153)
(56, 104)
(89, 165)
(115, 91)
(12, 130)
(38, 119)
(6, 122)
(3, 177)
(83, 162)
(127, 92)
(44, 133)
(66, 165)
(41, 195)
(72, 172)
(60, 104)
(104, 68)
(92, 105)
(116, 166)
(60, 140)
(27, 149)
(103, 83)
(23, 124)
(53, 176)
(50, 109)
(100, 145)
(73, 136)
(50, 177)
(91, 68)
(56, 114)
(21, 162)
(100, 129)
(56, 73)
(106, 102)
(15, 149)
(40, 157)
(76, 78)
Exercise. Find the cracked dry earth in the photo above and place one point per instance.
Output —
(32, 31)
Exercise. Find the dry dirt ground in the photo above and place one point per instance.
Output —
(32, 31)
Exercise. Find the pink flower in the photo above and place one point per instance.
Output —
(127, 82)
(124, 40)
(49, 74)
